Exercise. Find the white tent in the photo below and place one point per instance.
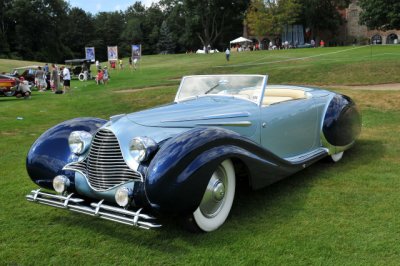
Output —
(241, 40)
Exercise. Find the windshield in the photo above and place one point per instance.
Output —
(247, 87)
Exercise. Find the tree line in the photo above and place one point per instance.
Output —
(52, 30)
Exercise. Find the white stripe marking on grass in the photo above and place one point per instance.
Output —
(291, 59)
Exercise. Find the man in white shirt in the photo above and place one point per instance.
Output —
(227, 54)
(67, 79)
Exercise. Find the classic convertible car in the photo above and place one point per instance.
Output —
(183, 158)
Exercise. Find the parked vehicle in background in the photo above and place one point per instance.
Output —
(29, 74)
(7, 85)
(79, 68)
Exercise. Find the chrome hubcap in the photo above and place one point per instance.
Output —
(219, 191)
(214, 196)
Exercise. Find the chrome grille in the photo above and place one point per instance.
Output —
(105, 167)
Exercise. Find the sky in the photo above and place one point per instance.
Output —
(95, 6)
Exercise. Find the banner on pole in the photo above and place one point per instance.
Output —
(136, 51)
(112, 52)
(90, 55)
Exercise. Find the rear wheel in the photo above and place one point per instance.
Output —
(82, 77)
(337, 157)
(217, 199)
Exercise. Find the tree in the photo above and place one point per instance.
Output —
(210, 19)
(165, 44)
(80, 33)
(5, 25)
(269, 17)
(380, 14)
(174, 13)
(259, 20)
(320, 15)
(143, 26)
(39, 29)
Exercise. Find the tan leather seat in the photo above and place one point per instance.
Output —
(293, 93)
(275, 99)
(276, 95)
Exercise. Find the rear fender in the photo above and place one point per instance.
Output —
(342, 124)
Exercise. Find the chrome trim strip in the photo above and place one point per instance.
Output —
(99, 209)
(229, 115)
(115, 118)
(303, 158)
(229, 124)
(209, 117)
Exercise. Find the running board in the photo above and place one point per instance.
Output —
(309, 157)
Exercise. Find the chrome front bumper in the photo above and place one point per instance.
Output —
(98, 209)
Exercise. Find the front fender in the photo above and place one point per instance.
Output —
(179, 173)
(51, 152)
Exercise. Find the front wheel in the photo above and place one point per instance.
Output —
(9, 93)
(218, 198)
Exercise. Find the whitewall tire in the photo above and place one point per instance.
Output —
(217, 199)
(337, 157)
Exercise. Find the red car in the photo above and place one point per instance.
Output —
(7, 84)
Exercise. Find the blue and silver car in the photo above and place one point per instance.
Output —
(184, 158)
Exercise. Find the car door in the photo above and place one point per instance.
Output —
(289, 128)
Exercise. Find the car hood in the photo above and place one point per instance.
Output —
(204, 111)
(168, 121)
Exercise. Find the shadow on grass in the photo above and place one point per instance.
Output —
(267, 208)
(10, 99)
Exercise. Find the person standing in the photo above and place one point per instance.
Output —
(105, 75)
(99, 77)
(227, 54)
(120, 64)
(55, 78)
(67, 79)
(41, 79)
(130, 62)
(84, 71)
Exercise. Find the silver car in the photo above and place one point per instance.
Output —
(183, 158)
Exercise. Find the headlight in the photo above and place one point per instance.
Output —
(60, 183)
(79, 141)
(141, 148)
(122, 196)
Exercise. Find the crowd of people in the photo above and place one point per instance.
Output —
(46, 78)
(58, 79)
(277, 45)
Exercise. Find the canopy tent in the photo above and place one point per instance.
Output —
(241, 40)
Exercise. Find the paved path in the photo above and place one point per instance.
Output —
(376, 87)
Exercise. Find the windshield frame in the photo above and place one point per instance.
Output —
(259, 101)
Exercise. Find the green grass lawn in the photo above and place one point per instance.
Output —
(329, 214)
